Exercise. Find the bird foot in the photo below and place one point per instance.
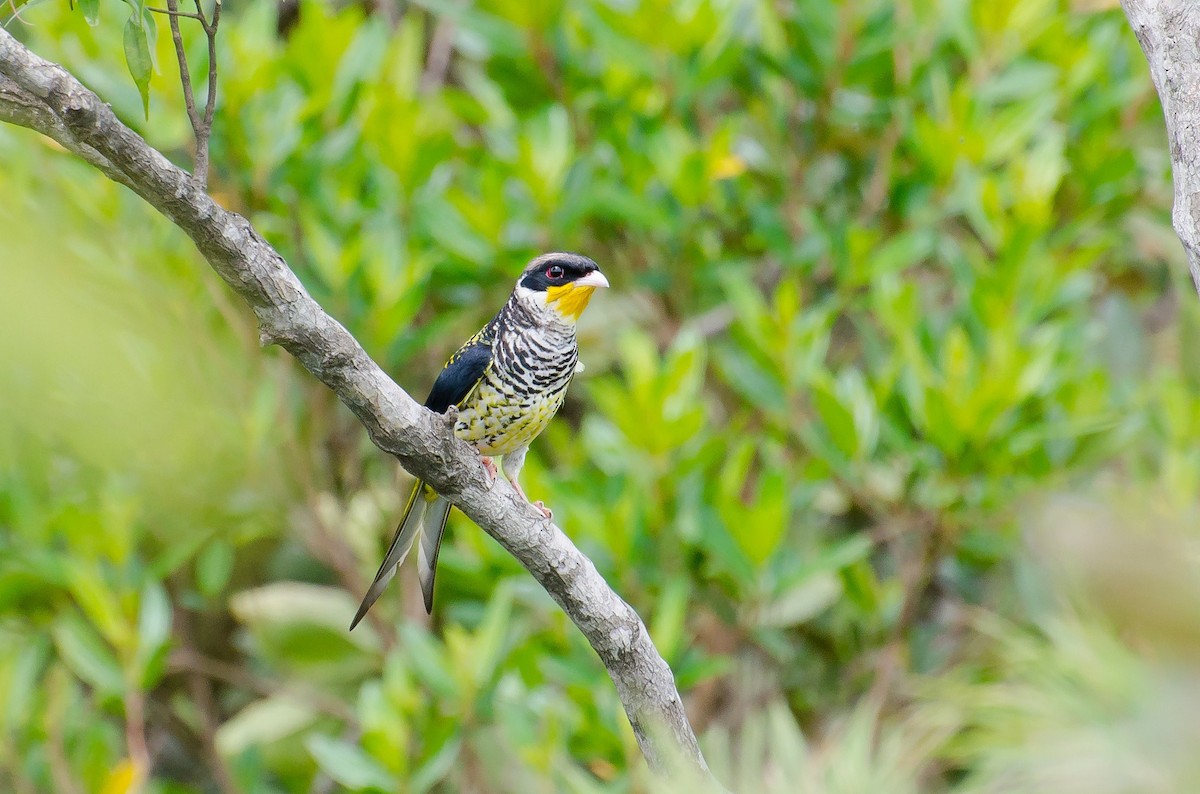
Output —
(490, 467)
(539, 504)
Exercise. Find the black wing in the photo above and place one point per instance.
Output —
(462, 372)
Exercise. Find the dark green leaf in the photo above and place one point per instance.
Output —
(137, 58)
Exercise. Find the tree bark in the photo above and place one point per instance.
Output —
(1169, 32)
(44, 97)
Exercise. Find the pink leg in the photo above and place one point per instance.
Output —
(539, 504)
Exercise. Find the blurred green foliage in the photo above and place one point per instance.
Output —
(889, 279)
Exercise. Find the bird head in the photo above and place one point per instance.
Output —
(562, 283)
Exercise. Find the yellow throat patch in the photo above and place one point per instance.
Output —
(569, 300)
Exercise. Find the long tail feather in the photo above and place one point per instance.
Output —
(431, 542)
(406, 533)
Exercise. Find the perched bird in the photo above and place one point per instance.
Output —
(507, 382)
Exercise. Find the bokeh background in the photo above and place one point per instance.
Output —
(888, 428)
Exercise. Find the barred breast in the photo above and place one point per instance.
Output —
(522, 390)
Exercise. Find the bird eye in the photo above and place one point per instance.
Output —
(554, 271)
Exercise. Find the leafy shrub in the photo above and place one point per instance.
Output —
(886, 276)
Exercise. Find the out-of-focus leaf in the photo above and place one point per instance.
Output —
(489, 640)
(100, 604)
(87, 655)
(836, 419)
(263, 722)
(428, 662)
(803, 601)
(154, 617)
(154, 632)
(123, 779)
(348, 765)
(549, 143)
(294, 602)
(436, 768)
(22, 684)
(670, 617)
(213, 567)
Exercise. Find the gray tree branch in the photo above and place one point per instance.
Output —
(1169, 32)
(44, 97)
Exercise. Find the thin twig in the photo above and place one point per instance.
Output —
(135, 734)
(170, 13)
(876, 193)
(918, 574)
(56, 752)
(201, 125)
(185, 74)
(210, 105)
(190, 661)
(202, 694)
(16, 14)
(200, 687)
(441, 49)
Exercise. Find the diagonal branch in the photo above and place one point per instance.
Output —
(43, 96)
(1169, 32)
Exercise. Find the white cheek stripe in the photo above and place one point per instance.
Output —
(531, 297)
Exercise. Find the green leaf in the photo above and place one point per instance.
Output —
(349, 765)
(427, 661)
(492, 632)
(150, 25)
(87, 655)
(754, 504)
(549, 143)
(438, 766)
(771, 516)
(803, 602)
(670, 617)
(264, 722)
(91, 11)
(294, 602)
(137, 57)
(306, 622)
(23, 681)
(96, 598)
(154, 631)
(213, 567)
(837, 420)
(154, 618)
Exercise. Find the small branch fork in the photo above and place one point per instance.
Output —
(201, 124)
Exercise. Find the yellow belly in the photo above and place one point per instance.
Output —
(497, 424)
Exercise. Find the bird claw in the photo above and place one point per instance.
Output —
(539, 504)
(490, 467)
